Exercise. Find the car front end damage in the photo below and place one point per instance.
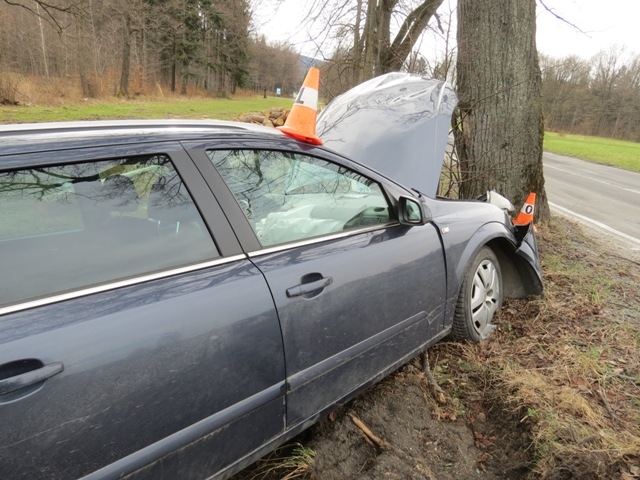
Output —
(527, 250)
(526, 246)
(398, 124)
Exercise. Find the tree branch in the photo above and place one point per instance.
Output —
(48, 10)
(411, 28)
(562, 19)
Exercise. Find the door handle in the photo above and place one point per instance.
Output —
(32, 377)
(309, 287)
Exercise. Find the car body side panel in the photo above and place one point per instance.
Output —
(385, 298)
(197, 372)
(197, 451)
(148, 361)
(529, 268)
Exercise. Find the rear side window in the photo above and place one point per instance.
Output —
(75, 226)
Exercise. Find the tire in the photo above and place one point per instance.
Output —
(479, 299)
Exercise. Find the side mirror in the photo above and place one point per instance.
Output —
(412, 212)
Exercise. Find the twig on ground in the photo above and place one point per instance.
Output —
(627, 259)
(635, 380)
(588, 439)
(381, 444)
(605, 402)
(439, 393)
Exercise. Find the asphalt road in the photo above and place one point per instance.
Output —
(605, 198)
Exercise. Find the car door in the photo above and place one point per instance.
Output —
(128, 343)
(356, 292)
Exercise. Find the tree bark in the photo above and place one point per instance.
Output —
(500, 129)
(174, 68)
(383, 27)
(370, 42)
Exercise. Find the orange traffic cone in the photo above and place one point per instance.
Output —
(525, 217)
(301, 122)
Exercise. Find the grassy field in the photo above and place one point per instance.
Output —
(596, 149)
(198, 108)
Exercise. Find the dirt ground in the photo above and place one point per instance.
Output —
(427, 441)
(402, 428)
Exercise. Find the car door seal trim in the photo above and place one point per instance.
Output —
(324, 238)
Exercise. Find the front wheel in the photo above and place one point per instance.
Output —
(479, 299)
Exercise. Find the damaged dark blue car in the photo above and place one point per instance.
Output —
(178, 298)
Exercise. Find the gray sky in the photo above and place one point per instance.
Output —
(606, 24)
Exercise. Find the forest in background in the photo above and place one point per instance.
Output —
(134, 47)
(599, 97)
(90, 49)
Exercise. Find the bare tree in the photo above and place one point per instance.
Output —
(565, 87)
(608, 70)
(362, 32)
(597, 97)
(273, 66)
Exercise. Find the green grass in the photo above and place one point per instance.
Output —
(193, 108)
(607, 151)
(601, 150)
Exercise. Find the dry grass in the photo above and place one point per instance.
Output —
(56, 91)
(568, 366)
(29, 90)
(286, 463)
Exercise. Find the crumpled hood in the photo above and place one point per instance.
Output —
(397, 124)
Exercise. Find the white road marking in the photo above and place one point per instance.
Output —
(593, 179)
(594, 222)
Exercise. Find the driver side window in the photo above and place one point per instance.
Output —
(291, 197)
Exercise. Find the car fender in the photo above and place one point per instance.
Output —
(459, 255)
(528, 261)
(518, 261)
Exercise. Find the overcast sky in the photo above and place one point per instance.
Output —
(606, 24)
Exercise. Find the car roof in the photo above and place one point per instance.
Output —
(33, 137)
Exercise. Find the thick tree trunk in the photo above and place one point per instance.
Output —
(174, 69)
(42, 43)
(499, 136)
(356, 72)
(126, 57)
(370, 52)
(82, 58)
(385, 9)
